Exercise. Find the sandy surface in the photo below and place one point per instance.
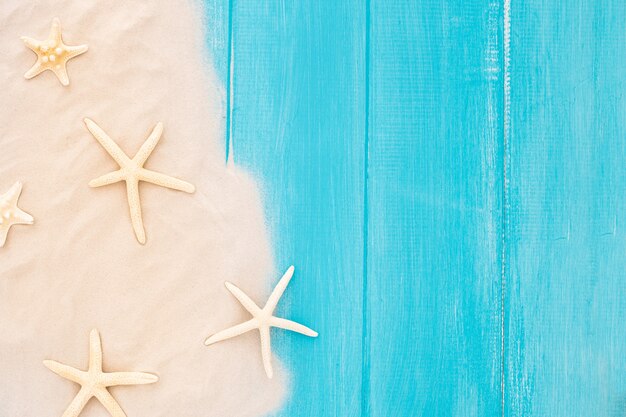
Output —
(80, 266)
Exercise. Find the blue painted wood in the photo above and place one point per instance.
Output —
(566, 286)
(217, 25)
(215, 19)
(298, 120)
(376, 133)
(384, 121)
(435, 208)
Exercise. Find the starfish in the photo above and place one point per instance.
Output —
(52, 54)
(10, 213)
(132, 171)
(94, 381)
(262, 319)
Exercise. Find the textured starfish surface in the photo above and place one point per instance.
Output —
(262, 319)
(52, 54)
(10, 213)
(94, 381)
(132, 171)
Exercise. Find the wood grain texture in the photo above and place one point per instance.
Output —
(215, 19)
(566, 344)
(298, 126)
(435, 212)
(452, 266)
(375, 129)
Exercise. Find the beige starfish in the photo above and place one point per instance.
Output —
(94, 381)
(132, 171)
(52, 54)
(10, 213)
(262, 319)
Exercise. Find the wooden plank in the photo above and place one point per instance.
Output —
(298, 126)
(215, 16)
(566, 345)
(434, 208)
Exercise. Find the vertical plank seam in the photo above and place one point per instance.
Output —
(505, 197)
(365, 343)
(229, 88)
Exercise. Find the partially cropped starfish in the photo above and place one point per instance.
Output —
(132, 171)
(262, 319)
(94, 382)
(52, 54)
(10, 213)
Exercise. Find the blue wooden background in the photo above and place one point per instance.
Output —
(448, 177)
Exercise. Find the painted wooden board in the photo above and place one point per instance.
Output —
(215, 19)
(566, 242)
(375, 130)
(434, 209)
(298, 102)
(458, 243)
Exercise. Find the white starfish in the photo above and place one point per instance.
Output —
(262, 319)
(132, 171)
(94, 381)
(52, 54)
(10, 213)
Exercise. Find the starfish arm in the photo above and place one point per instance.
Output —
(21, 217)
(111, 379)
(134, 205)
(266, 350)
(74, 51)
(279, 290)
(65, 371)
(293, 326)
(232, 332)
(245, 301)
(106, 179)
(107, 143)
(166, 181)
(148, 146)
(13, 194)
(110, 403)
(95, 351)
(31, 43)
(34, 71)
(61, 74)
(4, 231)
(55, 31)
(78, 403)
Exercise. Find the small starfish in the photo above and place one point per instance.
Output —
(94, 381)
(10, 213)
(52, 54)
(132, 171)
(262, 319)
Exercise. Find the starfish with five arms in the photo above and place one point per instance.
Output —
(94, 381)
(132, 171)
(10, 213)
(52, 54)
(262, 319)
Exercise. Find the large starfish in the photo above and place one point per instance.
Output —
(52, 54)
(94, 382)
(10, 213)
(132, 171)
(262, 319)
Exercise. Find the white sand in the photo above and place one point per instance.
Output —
(80, 266)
